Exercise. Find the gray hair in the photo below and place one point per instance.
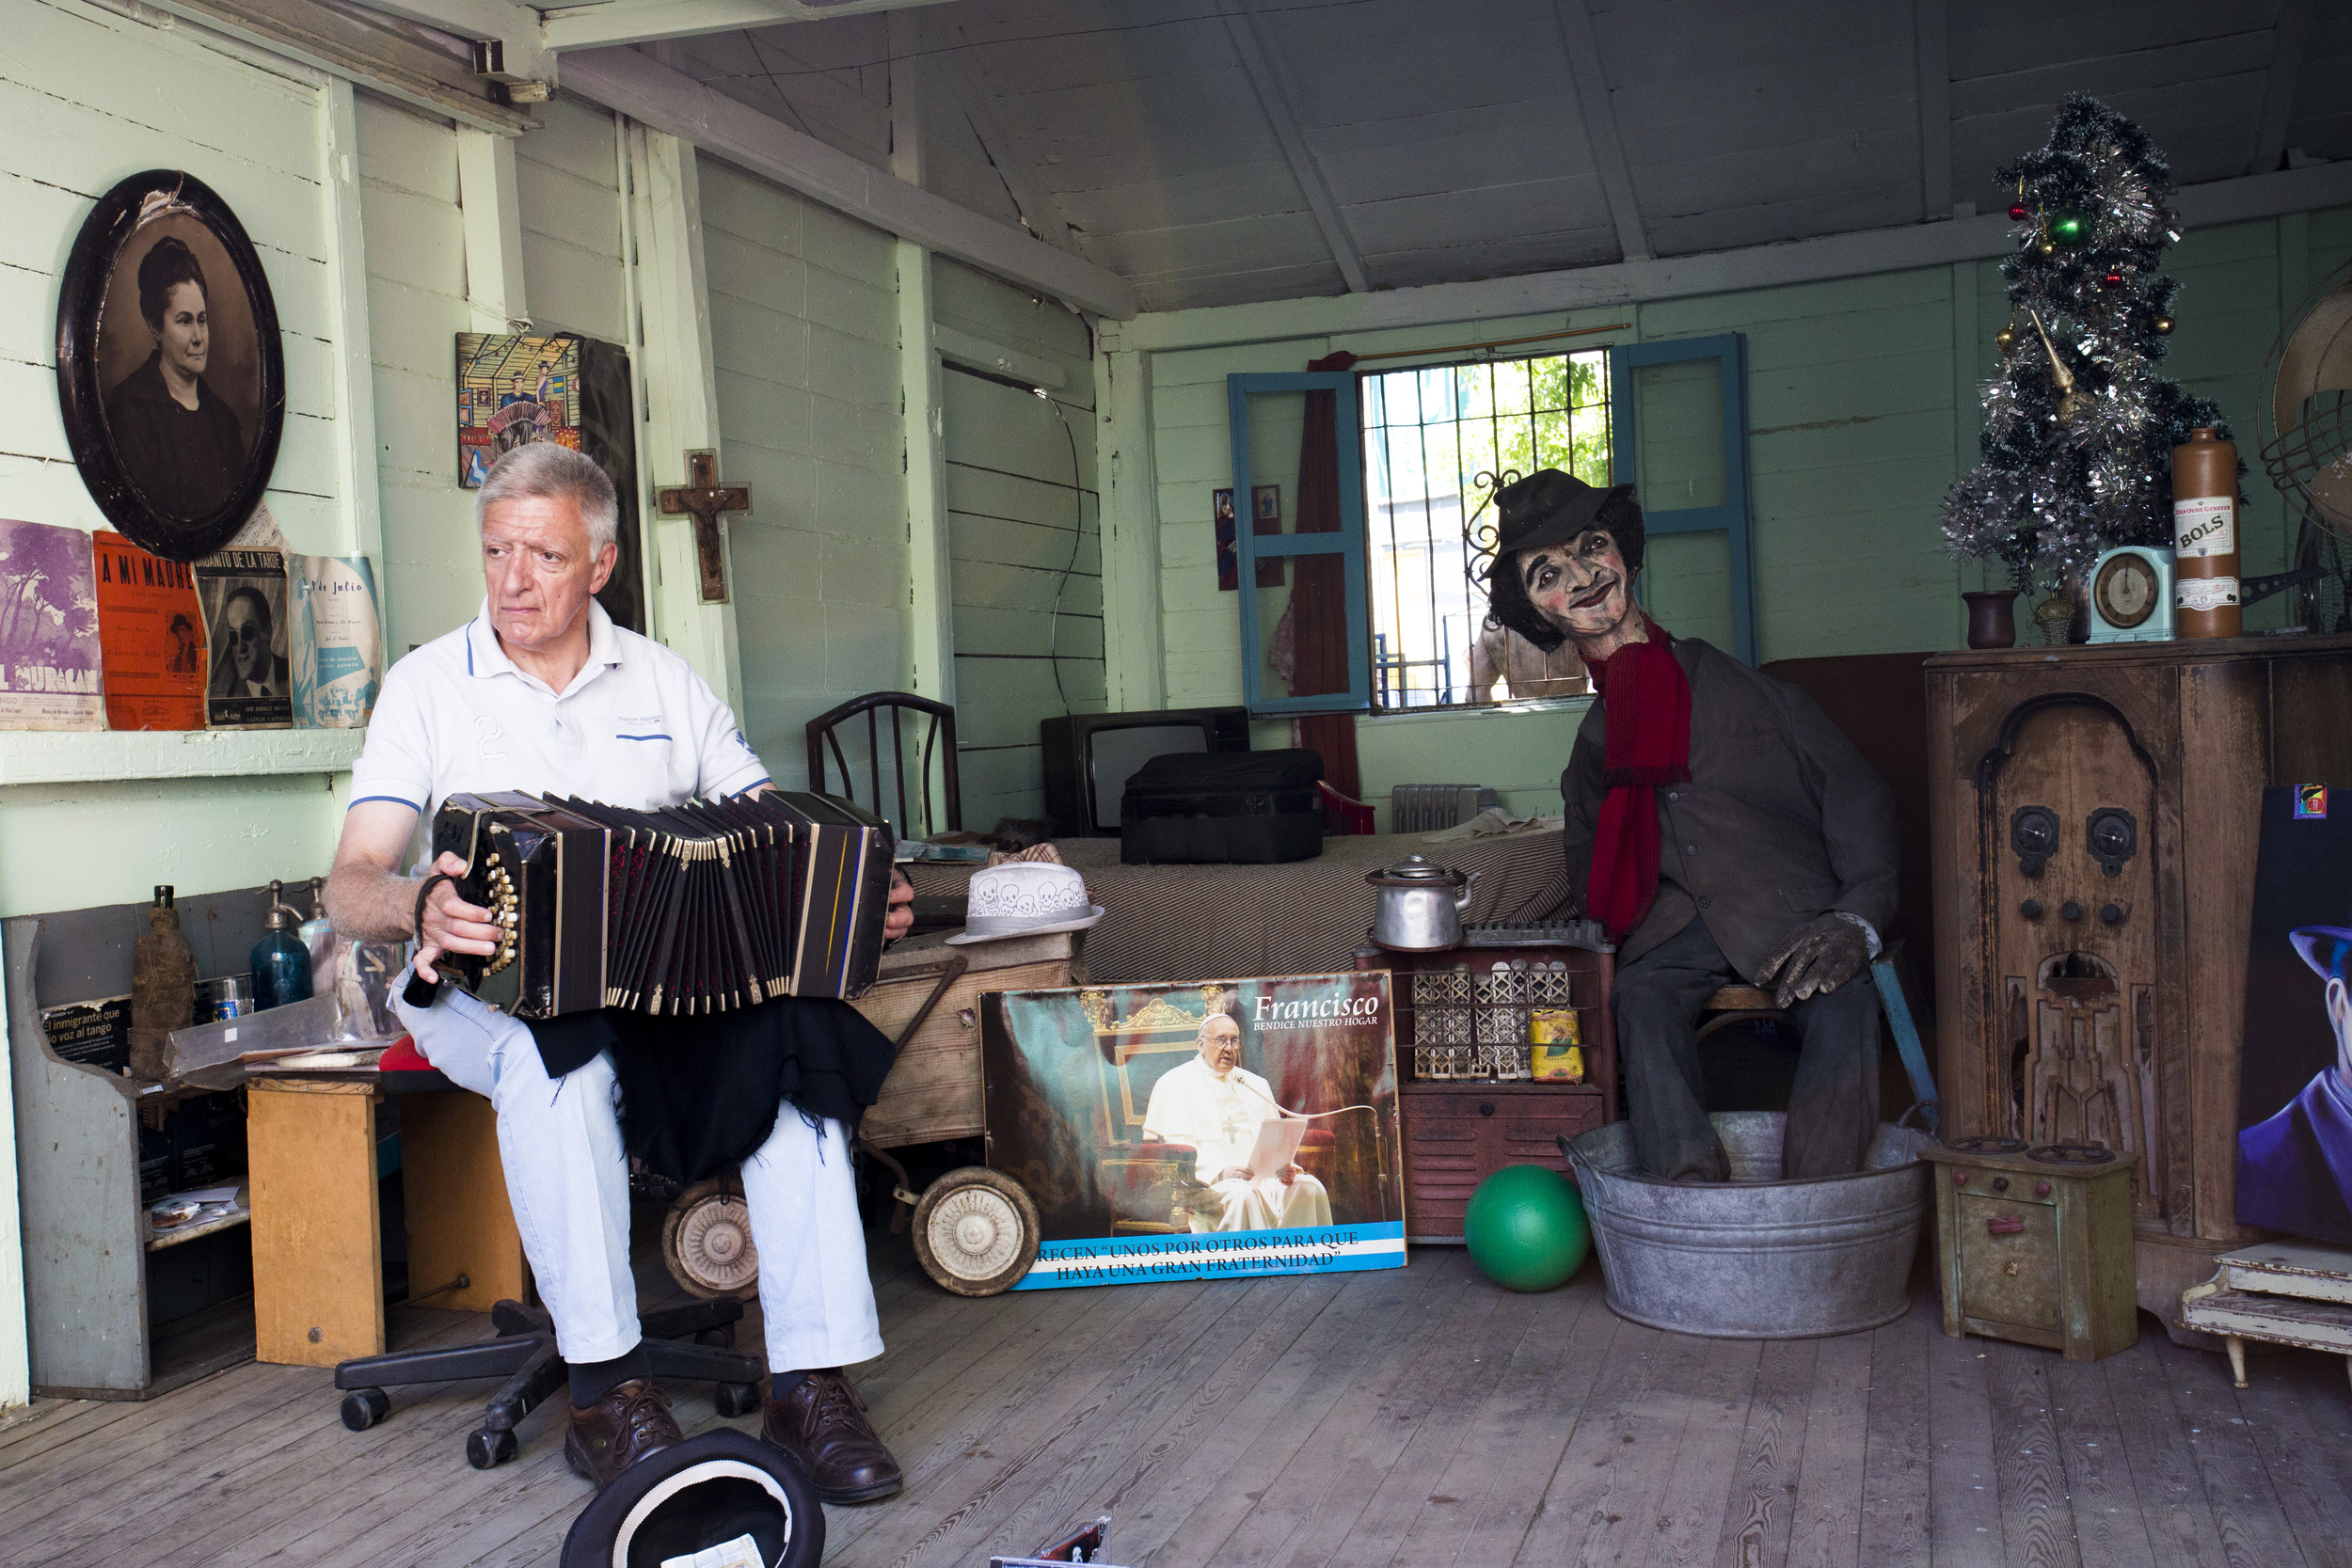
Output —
(542, 470)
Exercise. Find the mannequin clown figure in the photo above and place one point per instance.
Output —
(1719, 827)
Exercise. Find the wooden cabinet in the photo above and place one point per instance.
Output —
(2094, 812)
(1456, 1131)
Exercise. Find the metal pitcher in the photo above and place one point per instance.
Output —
(1422, 905)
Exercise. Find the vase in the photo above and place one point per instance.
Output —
(2053, 617)
(1991, 617)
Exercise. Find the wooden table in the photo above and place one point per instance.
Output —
(318, 1255)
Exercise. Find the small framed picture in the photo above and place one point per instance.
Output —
(171, 376)
(1266, 514)
(1228, 542)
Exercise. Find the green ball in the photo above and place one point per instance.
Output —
(1526, 1228)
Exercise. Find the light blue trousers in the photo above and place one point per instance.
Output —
(567, 1178)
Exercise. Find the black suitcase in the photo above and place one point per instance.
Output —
(1248, 808)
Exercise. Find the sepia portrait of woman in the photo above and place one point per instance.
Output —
(179, 443)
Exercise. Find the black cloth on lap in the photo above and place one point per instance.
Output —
(701, 1094)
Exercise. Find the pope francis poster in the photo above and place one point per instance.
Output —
(1223, 1129)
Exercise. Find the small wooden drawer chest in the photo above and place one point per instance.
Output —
(2035, 1243)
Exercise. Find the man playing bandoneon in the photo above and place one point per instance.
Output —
(541, 692)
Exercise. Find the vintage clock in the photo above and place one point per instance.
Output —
(2131, 596)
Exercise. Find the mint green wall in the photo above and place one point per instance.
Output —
(1025, 529)
(1862, 409)
(804, 335)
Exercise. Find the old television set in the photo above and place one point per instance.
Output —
(1089, 758)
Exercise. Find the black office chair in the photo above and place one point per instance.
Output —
(689, 1341)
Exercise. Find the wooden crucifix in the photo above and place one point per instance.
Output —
(703, 499)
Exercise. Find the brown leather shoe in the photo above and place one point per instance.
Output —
(823, 1423)
(629, 1423)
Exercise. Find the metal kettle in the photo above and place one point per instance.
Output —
(1422, 905)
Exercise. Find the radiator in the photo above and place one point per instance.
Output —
(1425, 808)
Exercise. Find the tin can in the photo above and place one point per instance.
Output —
(1555, 1043)
(231, 996)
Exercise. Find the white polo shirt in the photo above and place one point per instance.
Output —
(637, 727)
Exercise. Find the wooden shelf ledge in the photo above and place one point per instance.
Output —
(82, 756)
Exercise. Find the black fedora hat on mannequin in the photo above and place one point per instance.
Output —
(721, 1489)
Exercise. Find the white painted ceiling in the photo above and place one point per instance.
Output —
(1452, 141)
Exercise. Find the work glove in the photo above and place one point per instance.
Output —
(1819, 956)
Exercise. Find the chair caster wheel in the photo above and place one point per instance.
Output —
(736, 1399)
(723, 1337)
(486, 1448)
(364, 1407)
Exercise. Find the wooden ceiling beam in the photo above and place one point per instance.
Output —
(1763, 266)
(1039, 210)
(1591, 86)
(1241, 25)
(671, 100)
(2289, 35)
(1932, 47)
(614, 22)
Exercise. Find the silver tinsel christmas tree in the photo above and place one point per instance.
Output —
(2078, 427)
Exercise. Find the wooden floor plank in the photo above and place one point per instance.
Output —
(1161, 1425)
(1715, 1405)
(1190, 1520)
(2300, 1413)
(2109, 1530)
(1897, 1457)
(1825, 1510)
(2182, 1531)
(1600, 1482)
(1479, 1508)
(2037, 1522)
(1241, 1421)
(1381, 1482)
(1965, 1505)
(1760, 1510)
(2246, 1510)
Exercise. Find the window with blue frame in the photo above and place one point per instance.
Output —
(1381, 603)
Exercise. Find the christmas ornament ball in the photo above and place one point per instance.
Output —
(2045, 249)
(2069, 227)
(1526, 1230)
(2005, 338)
(2164, 326)
(2016, 211)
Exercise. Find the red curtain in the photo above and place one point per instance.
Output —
(1319, 591)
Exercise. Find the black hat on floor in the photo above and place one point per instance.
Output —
(707, 1491)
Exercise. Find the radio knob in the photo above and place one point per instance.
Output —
(2030, 909)
(2111, 915)
(1960, 1178)
(1486, 1108)
(2069, 910)
(2000, 1184)
(2041, 1189)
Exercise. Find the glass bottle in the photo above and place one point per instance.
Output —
(281, 964)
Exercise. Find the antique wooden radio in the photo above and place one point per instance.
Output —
(2035, 1243)
(2094, 812)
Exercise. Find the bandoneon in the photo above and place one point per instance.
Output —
(702, 907)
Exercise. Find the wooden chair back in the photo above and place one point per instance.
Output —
(888, 716)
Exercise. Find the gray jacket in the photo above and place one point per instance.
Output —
(1782, 819)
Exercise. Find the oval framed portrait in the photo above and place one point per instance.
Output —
(170, 374)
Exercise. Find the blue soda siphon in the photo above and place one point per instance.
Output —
(281, 964)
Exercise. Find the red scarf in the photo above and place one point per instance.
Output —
(1647, 700)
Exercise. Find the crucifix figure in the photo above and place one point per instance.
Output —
(703, 499)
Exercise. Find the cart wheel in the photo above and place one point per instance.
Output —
(364, 1407)
(486, 1448)
(975, 1231)
(706, 1241)
(736, 1399)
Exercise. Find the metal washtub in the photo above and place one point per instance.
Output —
(1755, 1258)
